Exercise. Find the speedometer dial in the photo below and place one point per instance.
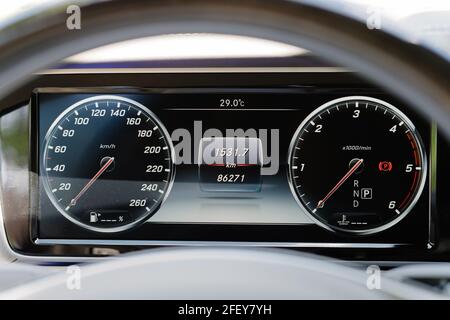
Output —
(108, 163)
(357, 165)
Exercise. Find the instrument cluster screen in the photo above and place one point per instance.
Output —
(147, 166)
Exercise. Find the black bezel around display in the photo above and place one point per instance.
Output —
(305, 235)
(410, 240)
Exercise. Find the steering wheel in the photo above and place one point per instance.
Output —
(415, 74)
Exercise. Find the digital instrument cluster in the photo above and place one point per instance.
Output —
(245, 165)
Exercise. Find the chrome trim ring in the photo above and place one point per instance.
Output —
(423, 174)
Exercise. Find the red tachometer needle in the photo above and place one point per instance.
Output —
(91, 182)
(355, 167)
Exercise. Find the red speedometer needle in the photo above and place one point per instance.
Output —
(355, 167)
(91, 182)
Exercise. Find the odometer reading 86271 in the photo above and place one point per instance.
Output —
(356, 164)
(107, 163)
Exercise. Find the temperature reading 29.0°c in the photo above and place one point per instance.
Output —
(357, 165)
(107, 163)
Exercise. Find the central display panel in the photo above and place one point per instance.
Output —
(230, 164)
(148, 166)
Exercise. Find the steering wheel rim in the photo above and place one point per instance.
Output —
(218, 273)
(420, 78)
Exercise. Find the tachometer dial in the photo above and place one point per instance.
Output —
(357, 165)
(108, 163)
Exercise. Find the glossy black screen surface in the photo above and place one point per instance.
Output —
(192, 214)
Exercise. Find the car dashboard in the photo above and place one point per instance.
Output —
(101, 163)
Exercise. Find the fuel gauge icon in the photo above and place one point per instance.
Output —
(93, 217)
